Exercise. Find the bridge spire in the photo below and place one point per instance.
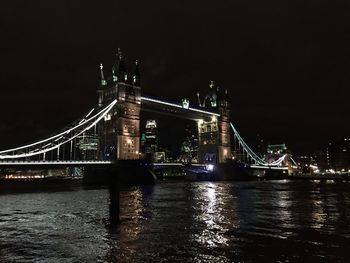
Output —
(226, 98)
(119, 71)
(199, 100)
(213, 94)
(211, 86)
(136, 75)
(116, 66)
(102, 80)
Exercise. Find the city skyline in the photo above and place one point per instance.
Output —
(287, 78)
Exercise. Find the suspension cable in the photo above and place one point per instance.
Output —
(252, 154)
(40, 150)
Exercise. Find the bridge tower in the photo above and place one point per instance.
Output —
(213, 134)
(119, 133)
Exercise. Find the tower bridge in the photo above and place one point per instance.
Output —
(111, 130)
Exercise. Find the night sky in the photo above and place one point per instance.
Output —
(286, 64)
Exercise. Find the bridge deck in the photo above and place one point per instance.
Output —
(58, 163)
(10, 164)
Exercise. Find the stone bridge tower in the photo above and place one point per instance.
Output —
(119, 133)
(214, 134)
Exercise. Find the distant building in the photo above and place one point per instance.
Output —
(159, 156)
(191, 141)
(87, 146)
(307, 163)
(275, 151)
(261, 146)
(143, 143)
(151, 139)
(336, 156)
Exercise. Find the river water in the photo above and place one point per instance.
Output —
(259, 221)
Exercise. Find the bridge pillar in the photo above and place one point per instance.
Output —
(224, 145)
(119, 133)
(214, 134)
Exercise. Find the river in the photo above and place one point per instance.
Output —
(257, 221)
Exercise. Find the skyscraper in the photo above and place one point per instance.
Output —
(151, 136)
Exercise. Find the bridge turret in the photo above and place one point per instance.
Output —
(119, 134)
(212, 94)
(199, 100)
(214, 135)
(210, 100)
(102, 85)
(119, 69)
(102, 80)
(115, 67)
(136, 75)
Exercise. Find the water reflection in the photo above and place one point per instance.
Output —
(181, 222)
(214, 213)
(122, 237)
(208, 215)
(283, 213)
(318, 215)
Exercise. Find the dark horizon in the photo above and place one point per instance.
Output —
(285, 65)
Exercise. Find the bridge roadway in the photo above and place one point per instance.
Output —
(51, 164)
(283, 168)
(58, 163)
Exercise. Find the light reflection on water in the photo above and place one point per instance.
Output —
(208, 213)
(284, 215)
(276, 221)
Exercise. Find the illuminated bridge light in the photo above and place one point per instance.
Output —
(179, 106)
(210, 167)
(25, 163)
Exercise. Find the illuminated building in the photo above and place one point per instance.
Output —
(189, 147)
(213, 134)
(143, 143)
(307, 163)
(88, 145)
(275, 151)
(119, 134)
(336, 156)
(151, 138)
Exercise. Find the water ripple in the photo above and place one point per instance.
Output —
(279, 221)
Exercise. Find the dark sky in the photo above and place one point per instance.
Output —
(286, 64)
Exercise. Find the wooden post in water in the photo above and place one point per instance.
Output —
(114, 196)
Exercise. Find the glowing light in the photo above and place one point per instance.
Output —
(179, 106)
(151, 124)
(210, 167)
(185, 103)
(43, 163)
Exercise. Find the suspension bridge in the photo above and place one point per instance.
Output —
(110, 131)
